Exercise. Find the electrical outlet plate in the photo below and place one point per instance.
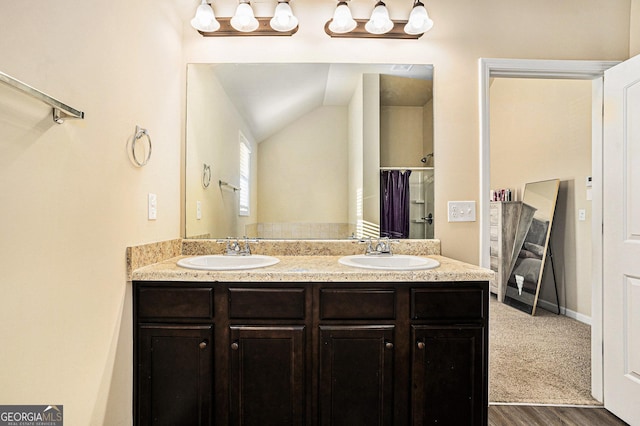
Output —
(461, 211)
(198, 210)
(582, 215)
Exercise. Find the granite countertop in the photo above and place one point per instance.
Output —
(313, 269)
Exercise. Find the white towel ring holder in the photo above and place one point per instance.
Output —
(140, 132)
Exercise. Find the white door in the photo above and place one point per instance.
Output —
(621, 240)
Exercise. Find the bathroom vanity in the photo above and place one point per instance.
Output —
(311, 342)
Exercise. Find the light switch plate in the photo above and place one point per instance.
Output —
(153, 206)
(461, 211)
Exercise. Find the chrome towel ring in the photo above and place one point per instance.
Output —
(140, 132)
(206, 175)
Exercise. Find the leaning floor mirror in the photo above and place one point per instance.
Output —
(523, 286)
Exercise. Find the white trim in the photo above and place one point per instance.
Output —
(536, 68)
(597, 253)
(534, 404)
(553, 307)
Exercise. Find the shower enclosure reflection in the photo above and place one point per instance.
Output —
(406, 203)
(421, 208)
(317, 137)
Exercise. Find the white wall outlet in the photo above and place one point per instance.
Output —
(582, 215)
(462, 211)
(198, 210)
(153, 206)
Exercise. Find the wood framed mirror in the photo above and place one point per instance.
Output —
(523, 286)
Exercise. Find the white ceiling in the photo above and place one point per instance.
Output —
(271, 96)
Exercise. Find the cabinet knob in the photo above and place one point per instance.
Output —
(420, 345)
(203, 344)
(388, 345)
(234, 346)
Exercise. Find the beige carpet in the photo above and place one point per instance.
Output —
(543, 359)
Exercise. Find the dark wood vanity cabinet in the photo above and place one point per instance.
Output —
(267, 375)
(268, 349)
(311, 353)
(173, 356)
(356, 375)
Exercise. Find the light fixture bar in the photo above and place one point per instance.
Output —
(264, 29)
(397, 32)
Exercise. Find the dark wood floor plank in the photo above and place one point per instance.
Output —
(529, 415)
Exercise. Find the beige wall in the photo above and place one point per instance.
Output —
(634, 33)
(356, 155)
(302, 170)
(401, 136)
(213, 130)
(540, 130)
(371, 148)
(427, 136)
(71, 201)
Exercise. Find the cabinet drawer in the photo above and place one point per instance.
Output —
(357, 303)
(163, 302)
(266, 303)
(447, 304)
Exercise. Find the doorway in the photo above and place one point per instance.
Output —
(575, 70)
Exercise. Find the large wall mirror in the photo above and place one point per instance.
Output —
(297, 150)
(524, 282)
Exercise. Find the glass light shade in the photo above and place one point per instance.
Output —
(379, 23)
(283, 19)
(205, 19)
(419, 21)
(342, 21)
(243, 20)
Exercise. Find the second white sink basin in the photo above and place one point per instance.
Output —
(397, 262)
(218, 262)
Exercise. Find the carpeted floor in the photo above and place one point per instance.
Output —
(543, 359)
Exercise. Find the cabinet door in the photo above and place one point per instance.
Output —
(356, 375)
(175, 375)
(448, 383)
(267, 375)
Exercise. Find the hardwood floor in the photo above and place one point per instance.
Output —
(533, 415)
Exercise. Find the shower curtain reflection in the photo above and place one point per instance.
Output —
(394, 203)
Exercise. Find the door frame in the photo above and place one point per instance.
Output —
(552, 69)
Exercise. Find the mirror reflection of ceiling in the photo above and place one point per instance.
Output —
(271, 96)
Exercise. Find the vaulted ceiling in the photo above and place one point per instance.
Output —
(271, 96)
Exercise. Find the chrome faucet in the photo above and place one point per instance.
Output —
(234, 248)
(382, 246)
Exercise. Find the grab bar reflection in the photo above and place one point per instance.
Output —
(227, 185)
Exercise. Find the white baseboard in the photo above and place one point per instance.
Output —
(552, 307)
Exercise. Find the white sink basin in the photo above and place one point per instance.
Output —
(218, 262)
(397, 262)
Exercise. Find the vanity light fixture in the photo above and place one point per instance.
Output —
(379, 23)
(205, 19)
(419, 21)
(244, 23)
(342, 21)
(244, 20)
(283, 18)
